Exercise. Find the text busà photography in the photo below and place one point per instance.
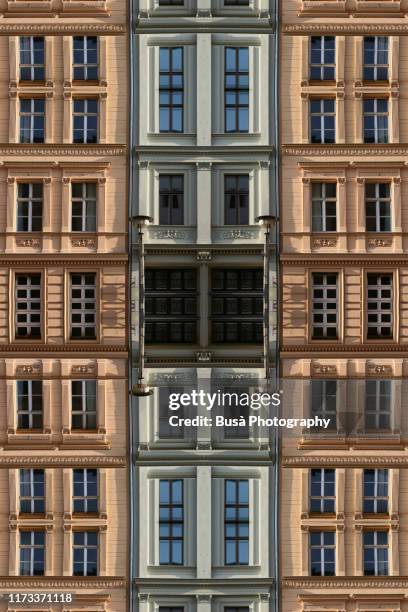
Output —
(203, 305)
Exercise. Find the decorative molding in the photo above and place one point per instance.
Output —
(186, 234)
(28, 242)
(319, 369)
(346, 150)
(63, 348)
(89, 368)
(41, 260)
(346, 583)
(346, 460)
(34, 368)
(158, 378)
(250, 233)
(84, 242)
(379, 242)
(344, 348)
(204, 255)
(203, 356)
(63, 150)
(373, 369)
(60, 582)
(345, 28)
(324, 242)
(63, 461)
(340, 260)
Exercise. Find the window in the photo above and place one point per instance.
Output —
(378, 396)
(83, 207)
(32, 58)
(85, 65)
(237, 305)
(29, 207)
(29, 404)
(375, 58)
(236, 3)
(236, 609)
(322, 121)
(324, 304)
(32, 118)
(83, 306)
(375, 120)
(375, 491)
(236, 89)
(322, 553)
(322, 490)
(236, 522)
(236, 199)
(324, 207)
(32, 491)
(85, 551)
(85, 121)
(83, 407)
(171, 89)
(324, 400)
(171, 305)
(322, 58)
(32, 553)
(379, 306)
(167, 431)
(171, 195)
(378, 207)
(28, 306)
(375, 553)
(171, 3)
(85, 498)
(171, 522)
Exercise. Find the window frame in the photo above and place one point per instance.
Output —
(28, 311)
(86, 65)
(322, 546)
(323, 130)
(170, 195)
(325, 325)
(84, 200)
(322, 498)
(84, 413)
(172, 91)
(30, 200)
(93, 136)
(236, 91)
(85, 498)
(377, 483)
(170, 522)
(32, 114)
(376, 65)
(376, 130)
(32, 66)
(32, 547)
(379, 312)
(323, 65)
(83, 325)
(236, 523)
(30, 410)
(239, 195)
(378, 201)
(323, 200)
(32, 498)
(85, 547)
(375, 547)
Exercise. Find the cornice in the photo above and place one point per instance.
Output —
(63, 348)
(60, 28)
(346, 461)
(388, 259)
(345, 348)
(383, 582)
(62, 149)
(203, 253)
(63, 461)
(346, 150)
(50, 582)
(82, 259)
(343, 28)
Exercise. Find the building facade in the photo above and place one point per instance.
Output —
(343, 304)
(63, 338)
(203, 260)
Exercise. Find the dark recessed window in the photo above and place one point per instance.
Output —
(236, 199)
(32, 120)
(236, 522)
(375, 553)
(378, 400)
(171, 305)
(85, 121)
(83, 306)
(83, 404)
(236, 89)
(379, 306)
(375, 120)
(322, 490)
(325, 306)
(171, 522)
(32, 58)
(171, 194)
(29, 207)
(85, 493)
(32, 491)
(28, 306)
(378, 207)
(85, 64)
(323, 401)
(29, 404)
(171, 89)
(85, 553)
(375, 491)
(83, 207)
(237, 305)
(324, 207)
(32, 553)
(323, 121)
(322, 58)
(322, 553)
(375, 58)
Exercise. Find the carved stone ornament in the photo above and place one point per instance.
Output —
(318, 368)
(34, 368)
(379, 242)
(373, 369)
(28, 242)
(203, 356)
(89, 368)
(203, 256)
(324, 242)
(90, 243)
